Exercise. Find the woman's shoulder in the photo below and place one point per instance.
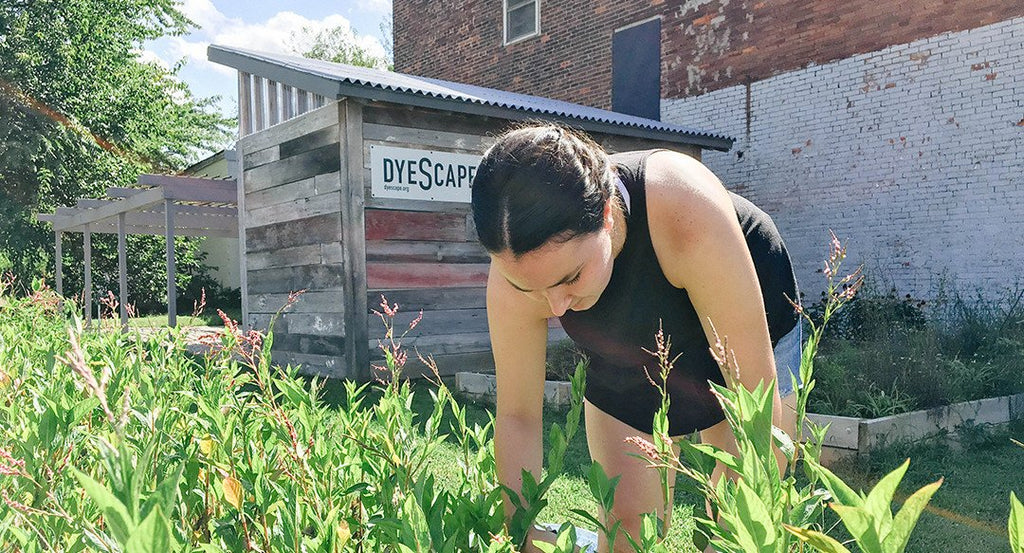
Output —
(685, 201)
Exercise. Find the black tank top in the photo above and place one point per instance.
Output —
(615, 331)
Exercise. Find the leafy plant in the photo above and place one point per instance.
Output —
(867, 517)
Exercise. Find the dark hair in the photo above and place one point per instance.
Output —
(537, 183)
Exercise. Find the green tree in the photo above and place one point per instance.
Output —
(81, 111)
(338, 44)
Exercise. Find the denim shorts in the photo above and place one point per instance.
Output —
(788, 351)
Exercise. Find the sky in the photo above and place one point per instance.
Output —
(258, 25)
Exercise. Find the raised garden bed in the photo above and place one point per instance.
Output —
(847, 436)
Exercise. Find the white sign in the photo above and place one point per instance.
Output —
(411, 174)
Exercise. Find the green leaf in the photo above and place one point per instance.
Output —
(1016, 525)
(817, 540)
(879, 501)
(754, 520)
(840, 491)
(152, 536)
(861, 526)
(905, 520)
(120, 522)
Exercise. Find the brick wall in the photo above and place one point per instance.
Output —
(913, 153)
(706, 44)
(461, 41)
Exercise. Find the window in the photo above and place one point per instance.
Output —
(522, 19)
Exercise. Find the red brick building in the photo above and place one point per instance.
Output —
(900, 125)
(705, 45)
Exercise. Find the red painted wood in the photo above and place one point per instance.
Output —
(425, 275)
(384, 224)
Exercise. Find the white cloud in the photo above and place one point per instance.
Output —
(149, 56)
(275, 35)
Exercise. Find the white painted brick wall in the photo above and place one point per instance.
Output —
(914, 155)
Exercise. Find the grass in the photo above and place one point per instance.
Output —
(970, 510)
(968, 513)
(209, 318)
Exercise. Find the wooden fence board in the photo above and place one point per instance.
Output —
(327, 182)
(382, 276)
(325, 159)
(309, 302)
(309, 142)
(420, 118)
(332, 366)
(437, 322)
(415, 225)
(332, 252)
(426, 252)
(300, 208)
(293, 128)
(426, 138)
(288, 279)
(309, 344)
(440, 344)
(311, 230)
(429, 299)
(285, 257)
(261, 157)
(284, 193)
(318, 324)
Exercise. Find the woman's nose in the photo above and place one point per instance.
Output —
(559, 301)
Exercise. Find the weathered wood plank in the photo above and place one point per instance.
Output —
(317, 324)
(439, 344)
(449, 364)
(289, 279)
(312, 230)
(332, 252)
(353, 201)
(332, 366)
(322, 160)
(434, 323)
(395, 251)
(283, 193)
(429, 299)
(327, 182)
(415, 225)
(412, 205)
(256, 158)
(299, 208)
(286, 257)
(383, 276)
(427, 138)
(411, 117)
(317, 301)
(309, 344)
(308, 142)
(291, 129)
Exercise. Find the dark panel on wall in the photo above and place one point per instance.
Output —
(636, 70)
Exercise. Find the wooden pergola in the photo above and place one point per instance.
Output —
(161, 205)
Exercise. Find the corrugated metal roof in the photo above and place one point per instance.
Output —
(337, 80)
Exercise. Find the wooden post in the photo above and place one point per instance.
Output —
(59, 264)
(273, 103)
(353, 240)
(122, 272)
(244, 103)
(87, 289)
(172, 295)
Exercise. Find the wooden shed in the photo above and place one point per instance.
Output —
(355, 183)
